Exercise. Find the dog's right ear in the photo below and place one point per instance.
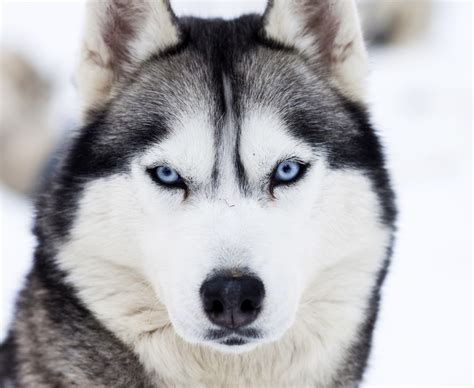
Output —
(327, 33)
(119, 35)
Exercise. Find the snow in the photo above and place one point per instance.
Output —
(421, 99)
(422, 103)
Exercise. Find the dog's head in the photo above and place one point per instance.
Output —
(226, 163)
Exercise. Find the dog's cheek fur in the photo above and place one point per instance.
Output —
(337, 280)
(102, 256)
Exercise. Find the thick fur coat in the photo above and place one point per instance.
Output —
(114, 296)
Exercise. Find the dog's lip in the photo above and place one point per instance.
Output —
(233, 337)
(234, 341)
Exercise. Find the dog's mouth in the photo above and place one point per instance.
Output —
(234, 341)
(235, 338)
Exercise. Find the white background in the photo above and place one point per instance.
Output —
(421, 99)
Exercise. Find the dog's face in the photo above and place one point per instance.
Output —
(225, 205)
(227, 222)
(227, 168)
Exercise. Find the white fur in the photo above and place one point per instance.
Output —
(138, 255)
(157, 31)
(286, 23)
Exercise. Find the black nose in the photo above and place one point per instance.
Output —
(232, 302)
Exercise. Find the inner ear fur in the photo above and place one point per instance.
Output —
(327, 33)
(119, 35)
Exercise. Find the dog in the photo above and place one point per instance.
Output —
(223, 217)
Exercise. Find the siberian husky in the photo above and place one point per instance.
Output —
(223, 217)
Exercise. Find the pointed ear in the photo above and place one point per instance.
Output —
(119, 35)
(328, 33)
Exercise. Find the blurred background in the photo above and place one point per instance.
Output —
(420, 94)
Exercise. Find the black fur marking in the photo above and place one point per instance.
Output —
(234, 341)
(218, 334)
(364, 152)
(8, 362)
(239, 168)
(358, 354)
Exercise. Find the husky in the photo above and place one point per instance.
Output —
(223, 217)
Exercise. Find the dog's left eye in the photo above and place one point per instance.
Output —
(287, 172)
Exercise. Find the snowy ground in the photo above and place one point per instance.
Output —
(421, 99)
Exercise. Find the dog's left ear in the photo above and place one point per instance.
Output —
(119, 36)
(327, 33)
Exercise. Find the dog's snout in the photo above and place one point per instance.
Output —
(232, 302)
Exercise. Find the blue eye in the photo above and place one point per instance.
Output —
(167, 175)
(168, 178)
(287, 171)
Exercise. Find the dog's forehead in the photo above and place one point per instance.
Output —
(189, 85)
(235, 95)
(217, 117)
(193, 77)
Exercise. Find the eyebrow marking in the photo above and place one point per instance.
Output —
(234, 122)
(239, 166)
(228, 170)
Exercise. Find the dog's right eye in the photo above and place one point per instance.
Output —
(167, 176)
